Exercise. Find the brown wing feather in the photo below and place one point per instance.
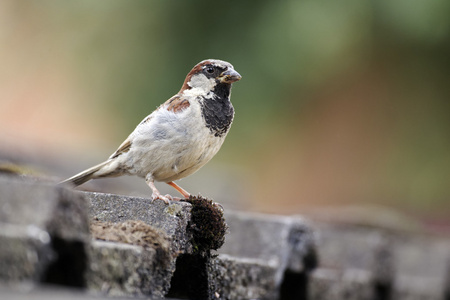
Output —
(177, 104)
(123, 148)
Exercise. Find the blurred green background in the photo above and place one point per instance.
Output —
(341, 102)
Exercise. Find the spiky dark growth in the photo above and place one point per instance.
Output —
(207, 224)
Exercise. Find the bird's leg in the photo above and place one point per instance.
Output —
(182, 191)
(155, 193)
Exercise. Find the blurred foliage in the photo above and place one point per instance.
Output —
(341, 101)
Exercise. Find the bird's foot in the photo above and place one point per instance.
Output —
(166, 198)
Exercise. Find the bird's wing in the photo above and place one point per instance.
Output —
(123, 148)
(176, 104)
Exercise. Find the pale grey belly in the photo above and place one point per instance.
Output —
(172, 157)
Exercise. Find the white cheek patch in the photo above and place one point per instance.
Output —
(200, 81)
(200, 86)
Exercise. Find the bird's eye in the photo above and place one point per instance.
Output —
(210, 70)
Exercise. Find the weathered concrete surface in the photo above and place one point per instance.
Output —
(352, 247)
(241, 278)
(52, 292)
(172, 219)
(58, 210)
(136, 260)
(191, 229)
(287, 242)
(25, 253)
(345, 284)
(123, 270)
(223, 277)
(45, 293)
(396, 264)
(44, 232)
(44, 238)
(259, 250)
(422, 265)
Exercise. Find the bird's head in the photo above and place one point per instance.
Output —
(207, 74)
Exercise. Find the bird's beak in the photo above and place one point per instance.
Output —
(229, 76)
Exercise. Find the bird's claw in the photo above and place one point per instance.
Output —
(165, 198)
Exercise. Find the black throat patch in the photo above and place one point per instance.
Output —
(218, 112)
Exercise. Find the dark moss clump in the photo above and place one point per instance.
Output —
(207, 224)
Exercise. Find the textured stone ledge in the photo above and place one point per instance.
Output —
(123, 270)
(349, 284)
(287, 241)
(44, 229)
(43, 292)
(392, 264)
(46, 239)
(242, 278)
(285, 246)
(172, 219)
(117, 246)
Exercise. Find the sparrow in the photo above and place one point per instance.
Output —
(180, 136)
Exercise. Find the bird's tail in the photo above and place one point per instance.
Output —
(87, 175)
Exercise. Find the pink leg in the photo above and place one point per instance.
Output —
(155, 193)
(180, 189)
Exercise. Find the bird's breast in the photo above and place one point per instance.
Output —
(172, 145)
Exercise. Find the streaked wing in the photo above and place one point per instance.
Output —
(174, 104)
(177, 104)
(123, 148)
